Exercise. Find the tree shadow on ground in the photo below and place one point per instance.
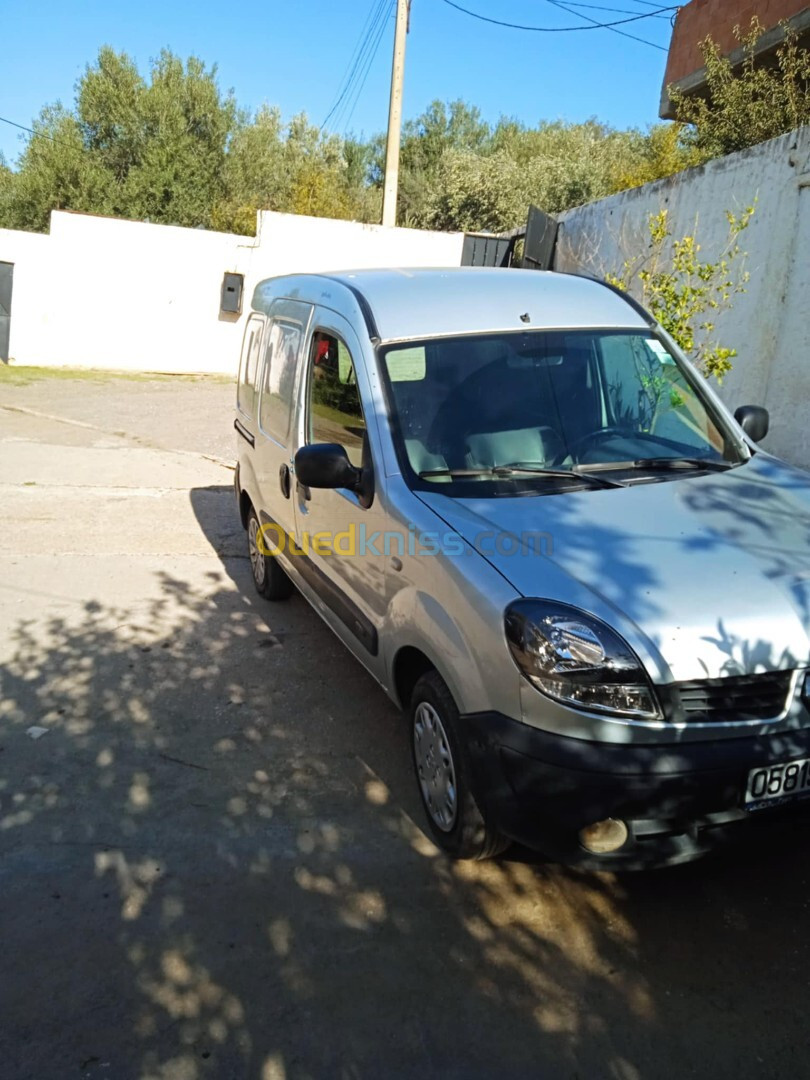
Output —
(211, 868)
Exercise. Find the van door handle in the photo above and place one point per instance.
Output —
(243, 431)
(284, 480)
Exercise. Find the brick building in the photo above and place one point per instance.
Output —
(716, 19)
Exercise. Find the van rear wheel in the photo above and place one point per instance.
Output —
(269, 578)
(456, 819)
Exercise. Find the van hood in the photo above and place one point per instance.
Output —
(705, 576)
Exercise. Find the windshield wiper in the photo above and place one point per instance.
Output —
(533, 470)
(676, 463)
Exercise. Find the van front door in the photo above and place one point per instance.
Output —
(284, 343)
(343, 544)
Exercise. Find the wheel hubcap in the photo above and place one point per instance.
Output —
(434, 767)
(256, 557)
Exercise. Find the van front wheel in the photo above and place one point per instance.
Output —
(457, 824)
(269, 578)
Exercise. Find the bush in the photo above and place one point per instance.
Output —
(684, 293)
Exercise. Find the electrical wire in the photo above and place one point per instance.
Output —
(614, 29)
(354, 61)
(619, 11)
(370, 26)
(344, 114)
(30, 131)
(369, 63)
(558, 29)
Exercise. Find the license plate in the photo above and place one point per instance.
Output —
(774, 784)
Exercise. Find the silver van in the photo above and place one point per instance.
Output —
(518, 505)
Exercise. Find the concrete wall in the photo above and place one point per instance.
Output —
(107, 293)
(769, 325)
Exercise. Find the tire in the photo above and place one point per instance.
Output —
(269, 578)
(455, 818)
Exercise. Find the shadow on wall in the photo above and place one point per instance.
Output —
(211, 868)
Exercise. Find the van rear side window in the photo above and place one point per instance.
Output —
(247, 387)
(283, 346)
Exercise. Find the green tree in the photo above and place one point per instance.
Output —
(555, 166)
(55, 173)
(170, 147)
(153, 150)
(566, 164)
(746, 106)
(661, 151)
(292, 168)
(440, 129)
(186, 124)
(475, 192)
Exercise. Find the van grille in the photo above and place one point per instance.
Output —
(719, 701)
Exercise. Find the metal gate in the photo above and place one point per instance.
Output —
(539, 237)
(6, 279)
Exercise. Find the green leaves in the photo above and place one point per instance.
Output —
(677, 287)
(174, 149)
(747, 105)
(171, 147)
(460, 174)
(149, 150)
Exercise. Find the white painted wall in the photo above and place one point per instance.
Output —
(107, 293)
(28, 252)
(769, 325)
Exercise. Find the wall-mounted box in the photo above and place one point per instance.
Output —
(231, 298)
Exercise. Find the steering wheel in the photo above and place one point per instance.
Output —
(573, 449)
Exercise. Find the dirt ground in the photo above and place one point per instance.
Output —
(211, 861)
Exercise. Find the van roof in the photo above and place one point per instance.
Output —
(410, 304)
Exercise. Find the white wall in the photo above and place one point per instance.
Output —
(28, 252)
(769, 325)
(107, 293)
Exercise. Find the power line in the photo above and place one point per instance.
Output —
(354, 60)
(375, 15)
(619, 11)
(558, 29)
(30, 131)
(363, 66)
(614, 29)
(372, 55)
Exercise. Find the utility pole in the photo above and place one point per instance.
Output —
(389, 214)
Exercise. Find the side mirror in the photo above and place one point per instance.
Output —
(754, 421)
(326, 465)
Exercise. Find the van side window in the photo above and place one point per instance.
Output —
(283, 346)
(334, 409)
(249, 366)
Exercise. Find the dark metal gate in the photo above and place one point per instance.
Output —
(539, 237)
(6, 279)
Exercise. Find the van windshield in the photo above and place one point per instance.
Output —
(478, 409)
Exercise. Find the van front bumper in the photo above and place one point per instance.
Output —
(678, 800)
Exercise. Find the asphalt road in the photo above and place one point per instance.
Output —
(211, 862)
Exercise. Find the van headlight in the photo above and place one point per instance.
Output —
(577, 659)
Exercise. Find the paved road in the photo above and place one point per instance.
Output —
(211, 864)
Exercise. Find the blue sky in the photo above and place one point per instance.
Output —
(295, 55)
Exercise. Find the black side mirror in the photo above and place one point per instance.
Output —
(326, 465)
(754, 421)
